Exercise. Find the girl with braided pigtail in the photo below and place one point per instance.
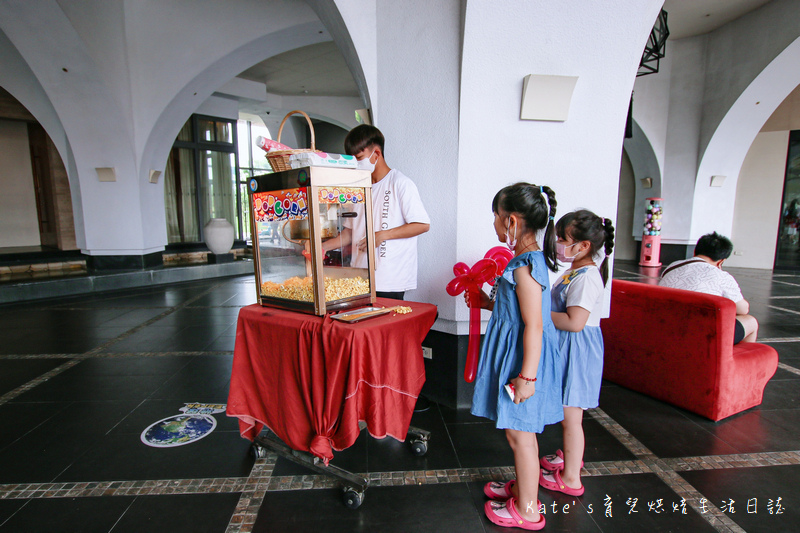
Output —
(518, 382)
(584, 242)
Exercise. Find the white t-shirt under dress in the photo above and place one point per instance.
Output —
(581, 352)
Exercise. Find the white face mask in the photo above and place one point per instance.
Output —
(511, 242)
(561, 252)
(364, 164)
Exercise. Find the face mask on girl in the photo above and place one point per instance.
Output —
(561, 252)
(511, 242)
(364, 164)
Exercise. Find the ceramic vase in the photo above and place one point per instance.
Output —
(218, 236)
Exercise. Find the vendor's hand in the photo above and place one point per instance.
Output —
(362, 244)
(483, 300)
(523, 389)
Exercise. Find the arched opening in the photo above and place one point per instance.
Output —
(36, 206)
(624, 242)
(713, 208)
(266, 77)
(640, 178)
(765, 222)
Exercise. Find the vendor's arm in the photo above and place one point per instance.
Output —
(406, 231)
(742, 307)
(573, 320)
(343, 239)
(529, 293)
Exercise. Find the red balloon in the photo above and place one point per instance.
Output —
(501, 256)
(471, 280)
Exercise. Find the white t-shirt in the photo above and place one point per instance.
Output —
(699, 276)
(395, 201)
(584, 288)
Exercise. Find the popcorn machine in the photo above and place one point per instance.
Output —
(292, 214)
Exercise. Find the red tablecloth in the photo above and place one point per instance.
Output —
(311, 379)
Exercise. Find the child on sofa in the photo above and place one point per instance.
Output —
(584, 241)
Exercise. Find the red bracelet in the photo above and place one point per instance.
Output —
(529, 380)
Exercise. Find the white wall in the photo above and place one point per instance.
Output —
(19, 225)
(123, 77)
(722, 87)
(601, 44)
(418, 89)
(216, 106)
(758, 202)
(737, 54)
(728, 146)
(787, 116)
(683, 131)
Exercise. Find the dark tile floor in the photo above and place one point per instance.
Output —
(82, 378)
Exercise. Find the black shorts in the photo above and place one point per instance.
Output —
(392, 295)
(738, 333)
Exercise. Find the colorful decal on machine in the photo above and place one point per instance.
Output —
(273, 206)
(341, 195)
(195, 423)
(253, 185)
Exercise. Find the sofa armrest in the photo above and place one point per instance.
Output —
(743, 378)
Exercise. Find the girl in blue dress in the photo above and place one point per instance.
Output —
(584, 241)
(520, 348)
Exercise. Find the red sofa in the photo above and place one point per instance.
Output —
(677, 346)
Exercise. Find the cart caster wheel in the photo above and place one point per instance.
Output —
(353, 499)
(419, 447)
(258, 451)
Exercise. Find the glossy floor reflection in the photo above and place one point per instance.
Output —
(82, 378)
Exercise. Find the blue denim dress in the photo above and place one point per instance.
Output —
(581, 351)
(502, 352)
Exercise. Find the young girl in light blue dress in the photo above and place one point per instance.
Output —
(520, 348)
(584, 241)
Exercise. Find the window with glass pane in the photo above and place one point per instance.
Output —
(245, 196)
(786, 253)
(186, 132)
(206, 129)
(224, 132)
(259, 155)
(218, 186)
(244, 143)
(195, 194)
(180, 197)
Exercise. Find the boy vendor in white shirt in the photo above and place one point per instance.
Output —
(398, 218)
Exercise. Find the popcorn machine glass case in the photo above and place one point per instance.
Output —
(293, 213)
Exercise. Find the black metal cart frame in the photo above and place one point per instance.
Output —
(354, 486)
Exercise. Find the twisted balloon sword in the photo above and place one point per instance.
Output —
(471, 280)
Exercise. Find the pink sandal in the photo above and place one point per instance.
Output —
(505, 514)
(499, 490)
(554, 462)
(557, 484)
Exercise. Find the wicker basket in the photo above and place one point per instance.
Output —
(279, 159)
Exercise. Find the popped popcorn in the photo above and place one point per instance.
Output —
(302, 289)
